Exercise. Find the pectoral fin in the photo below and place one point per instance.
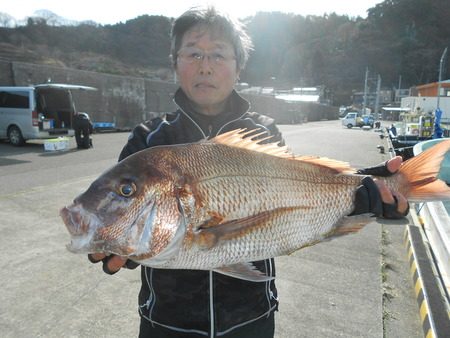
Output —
(215, 230)
(209, 233)
(245, 271)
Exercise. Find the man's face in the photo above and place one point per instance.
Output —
(206, 69)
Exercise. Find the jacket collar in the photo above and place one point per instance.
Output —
(210, 126)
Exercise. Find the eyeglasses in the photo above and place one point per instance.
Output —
(196, 56)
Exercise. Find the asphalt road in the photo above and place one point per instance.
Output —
(355, 286)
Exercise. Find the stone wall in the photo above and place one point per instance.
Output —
(128, 101)
(120, 99)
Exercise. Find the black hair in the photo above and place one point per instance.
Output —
(216, 22)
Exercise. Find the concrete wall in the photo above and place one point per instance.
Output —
(120, 99)
(128, 101)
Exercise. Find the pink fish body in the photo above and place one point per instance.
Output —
(222, 203)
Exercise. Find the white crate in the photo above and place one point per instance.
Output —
(54, 144)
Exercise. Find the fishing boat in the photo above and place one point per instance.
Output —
(413, 127)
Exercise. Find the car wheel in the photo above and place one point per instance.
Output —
(349, 126)
(15, 136)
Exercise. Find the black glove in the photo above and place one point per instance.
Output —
(390, 210)
(378, 170)
(129, 264)
(368, 198)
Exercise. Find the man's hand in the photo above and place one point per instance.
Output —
(373, 196)
(112, 263)
(394, 164)
(394, 203)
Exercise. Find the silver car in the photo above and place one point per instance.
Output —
(37, 112)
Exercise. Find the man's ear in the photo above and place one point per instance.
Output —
(238, 72)
(175, 71)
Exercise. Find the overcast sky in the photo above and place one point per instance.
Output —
(113, 11)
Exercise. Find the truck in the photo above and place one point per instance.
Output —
(352, 119)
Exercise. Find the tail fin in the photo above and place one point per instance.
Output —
(421, 174)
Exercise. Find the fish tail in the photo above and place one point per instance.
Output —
(421, 173)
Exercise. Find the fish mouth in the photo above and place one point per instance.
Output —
(83, 226)
(73, 220)
(81, 230)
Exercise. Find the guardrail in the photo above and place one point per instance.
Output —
(428, 247)
(435, 222)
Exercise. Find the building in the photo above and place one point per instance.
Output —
(431, 89)
(425, 99)
(385, 97)
(399, 94)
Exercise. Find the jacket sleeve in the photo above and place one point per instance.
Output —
(138, 138)
(269, 123)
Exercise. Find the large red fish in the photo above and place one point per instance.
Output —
(221, 203)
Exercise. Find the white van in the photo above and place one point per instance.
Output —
(37, 112)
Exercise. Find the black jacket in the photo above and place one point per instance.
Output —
(82, 121)
(194, 300)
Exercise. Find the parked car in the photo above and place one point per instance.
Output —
(37, 112)
(352, 119)
(367, 120)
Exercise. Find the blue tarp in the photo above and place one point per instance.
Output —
(107, 125)
(437, 124)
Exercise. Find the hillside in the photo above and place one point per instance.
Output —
(399, 38)
(122, 49)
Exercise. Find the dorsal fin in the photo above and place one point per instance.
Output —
(337, 166)
(237, 138)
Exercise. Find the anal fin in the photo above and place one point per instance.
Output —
(245, 271)
(350, 224)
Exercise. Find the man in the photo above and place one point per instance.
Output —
(83, 129)
(209, 50)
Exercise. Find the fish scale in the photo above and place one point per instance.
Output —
(242, 187)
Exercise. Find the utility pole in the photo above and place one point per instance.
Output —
(377, 100)
(365, 92)
(397, 98)
(441, 64)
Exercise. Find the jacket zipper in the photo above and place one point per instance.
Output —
(190, 118)
(211, 304)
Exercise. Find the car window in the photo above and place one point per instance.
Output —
(16, 99)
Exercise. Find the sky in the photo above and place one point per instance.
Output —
(114, 11)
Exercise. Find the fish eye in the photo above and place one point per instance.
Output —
(127, 189)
